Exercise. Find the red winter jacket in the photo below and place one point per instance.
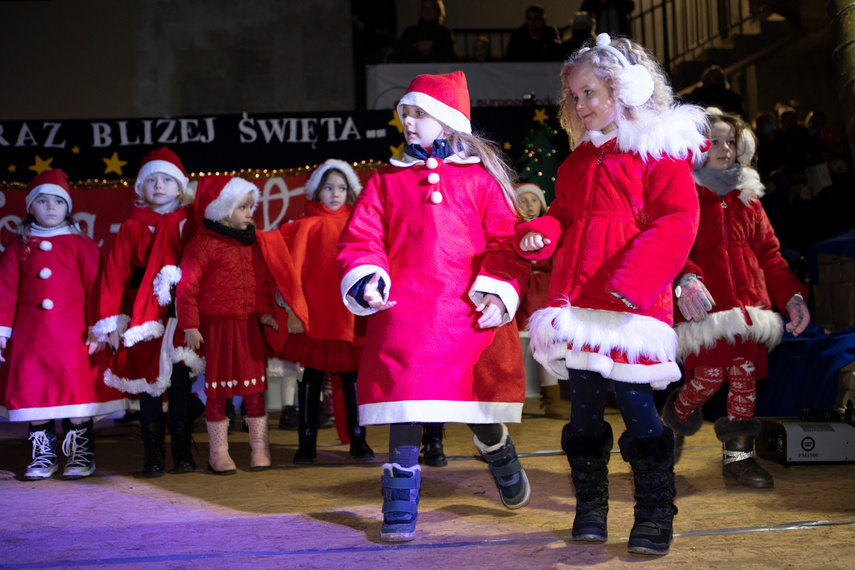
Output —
(222, 277)
(737, 256)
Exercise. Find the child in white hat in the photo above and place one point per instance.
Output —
(52, 363)
(427, 255)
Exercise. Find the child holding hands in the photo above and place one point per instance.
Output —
(52, 363)
(427, 254)
(224, 295)
(619, 231)
(734, 276)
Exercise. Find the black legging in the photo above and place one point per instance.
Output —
(405, 440)
(180, 399)
(588, 393)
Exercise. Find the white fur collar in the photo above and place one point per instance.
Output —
(676, 132)
(408, 160)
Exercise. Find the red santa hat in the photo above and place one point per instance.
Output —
(532, 189)
(161, 160)
(316, 175)
(217, 196)
(53, 182)
(444, 97)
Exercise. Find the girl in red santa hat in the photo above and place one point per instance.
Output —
(619, 231)
(532, 204)
(734, 276)
(328, 341)
(427, 253)
(224, 293)
(145, 361)
(52, 363)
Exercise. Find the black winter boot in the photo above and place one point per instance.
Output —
(182, 447)
(45, 446)
(154, 460)
(737, 439)
(652, 461)
(507, 471)
(359, 448)
(79, 447)
(308, 397)
(588, 457)
(433, 454)
(681, 430)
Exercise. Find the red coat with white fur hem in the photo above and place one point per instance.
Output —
(623, 220)
(737, 256)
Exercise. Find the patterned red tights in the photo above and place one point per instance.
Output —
(741, 398)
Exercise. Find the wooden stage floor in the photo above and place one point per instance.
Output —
(328, 515)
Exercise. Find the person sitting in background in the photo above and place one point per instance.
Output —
(715, 91)
(534, 40)
(582, 28)
(428, 41)
(482, 50)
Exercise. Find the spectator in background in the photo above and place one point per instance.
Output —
(482, 51)
(611, 16)
(715, 91)
(428, 41)
(534, 40)
(581, 30)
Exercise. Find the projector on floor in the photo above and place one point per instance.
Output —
(805, 440)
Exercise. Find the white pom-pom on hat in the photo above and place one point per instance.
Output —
(45, 272)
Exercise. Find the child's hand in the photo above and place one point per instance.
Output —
(295, 325)
(533, 241)
(695, 300)
(193, 339)
(268, 321)
(371, 294)
(94, 344)
(799, 315)
(2, 348)
(493, 310)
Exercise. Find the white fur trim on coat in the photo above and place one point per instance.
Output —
(637, 336)
(676, 133)
(137, 385)
(504, 291)
(168, 276)
(440, 411)
(767, 328)
(147, 331)
(352, 278)
(193, 361)
(108, 325)
(230, 196)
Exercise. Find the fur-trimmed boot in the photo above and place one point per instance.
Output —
(400, 502)
(153, 460)
(433, 453)
(507, 470)
(259, 443)
(79, 447)
(681, 430)
(219, 461)
(45, 446)
(588, 457)
(652, 461)
(737, 439)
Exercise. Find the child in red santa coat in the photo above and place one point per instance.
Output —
(52, 363)
(735, 275)
(145, 361)
(427, 253)
(328, 341)
(224, 293)
(619, 231)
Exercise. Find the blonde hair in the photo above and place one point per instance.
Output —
(607, 68)
(492, 158)
(746, 140)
